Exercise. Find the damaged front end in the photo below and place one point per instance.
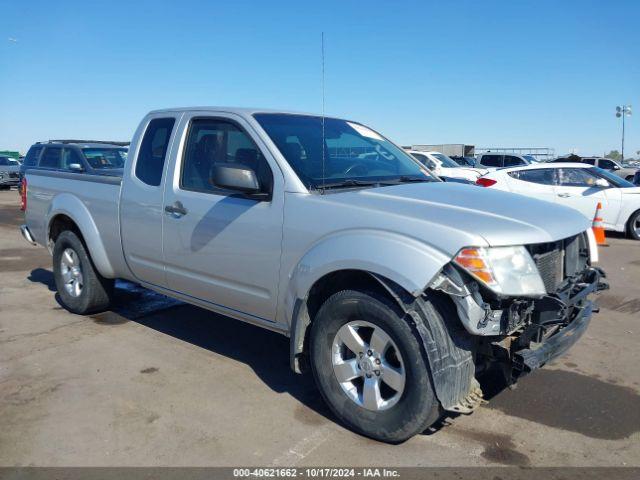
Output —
(522, 333)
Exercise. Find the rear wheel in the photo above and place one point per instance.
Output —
(369, 367)
(633, 226)
(81, 288)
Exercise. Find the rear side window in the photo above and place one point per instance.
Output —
(590, 161)
(153, 150)
(542, 176)
(511, 161)
(426, 161)
(491, 160)
(51, 158)
(31, 160)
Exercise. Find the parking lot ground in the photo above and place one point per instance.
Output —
(157, 382)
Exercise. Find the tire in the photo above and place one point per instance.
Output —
(630, 178)
(633, 226)
(406, 414)
(91, 292)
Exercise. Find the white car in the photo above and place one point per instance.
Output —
(577, 185)
(443, 166)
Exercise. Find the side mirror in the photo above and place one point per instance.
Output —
(235, 177)
(76, 167)
(616, 167)
(601, 182)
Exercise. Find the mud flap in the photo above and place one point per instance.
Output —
(449, 349)
(448, 346)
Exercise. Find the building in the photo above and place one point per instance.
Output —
(449, 149)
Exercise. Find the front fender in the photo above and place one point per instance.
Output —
(406, 261)
(69, 205)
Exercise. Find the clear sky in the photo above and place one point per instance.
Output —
(488, 73)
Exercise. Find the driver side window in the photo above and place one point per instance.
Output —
(212, 141)
(606, 164)
(576, 177)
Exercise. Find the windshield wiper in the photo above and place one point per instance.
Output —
(406, 179)
(346, 184)
(371, 183)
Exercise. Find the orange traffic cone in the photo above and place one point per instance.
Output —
(598, 229)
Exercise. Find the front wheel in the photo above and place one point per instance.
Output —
(633, 226)
(80, 286)
(369, 367)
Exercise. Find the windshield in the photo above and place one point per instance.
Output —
(614, 179)
(351, 154)
(530, 158)
(446, 161)
(105, 157)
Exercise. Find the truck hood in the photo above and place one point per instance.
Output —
(450, 215)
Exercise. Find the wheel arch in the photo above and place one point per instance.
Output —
(67, 212)
(371, 258)
(305, 309)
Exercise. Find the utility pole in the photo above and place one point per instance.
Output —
(623, 111)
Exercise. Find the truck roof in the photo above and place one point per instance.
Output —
(87, 143)
(236, 110)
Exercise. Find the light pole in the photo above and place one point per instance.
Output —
(623, 111)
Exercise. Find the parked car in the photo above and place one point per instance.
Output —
(394, 287)
(441, 165)
(636, 178)
(605, 164)
(464, 161)
(9, 172)
(499, 160)
(576, 185)
(95, 158)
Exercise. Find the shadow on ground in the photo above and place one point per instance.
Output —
(560, 399)
(266, 352)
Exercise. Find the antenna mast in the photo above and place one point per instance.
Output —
(323, 142)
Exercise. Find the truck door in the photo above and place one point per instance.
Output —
(141, 207)
(222, 246)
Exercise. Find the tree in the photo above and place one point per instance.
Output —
(613, 155)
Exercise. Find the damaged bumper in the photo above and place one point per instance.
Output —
(538, 354)
(558, 322)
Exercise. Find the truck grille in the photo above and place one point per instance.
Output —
(557, 261)
(550, 266)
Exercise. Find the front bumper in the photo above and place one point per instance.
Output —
(561, 319)
(529, 359)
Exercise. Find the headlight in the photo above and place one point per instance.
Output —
(505, 270)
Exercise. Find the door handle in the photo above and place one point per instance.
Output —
(564, 195)
(177, 209)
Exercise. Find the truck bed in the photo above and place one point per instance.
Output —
(94, 197)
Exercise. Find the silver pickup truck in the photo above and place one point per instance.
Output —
(395, 289)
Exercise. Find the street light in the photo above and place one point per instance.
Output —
(623, 111)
